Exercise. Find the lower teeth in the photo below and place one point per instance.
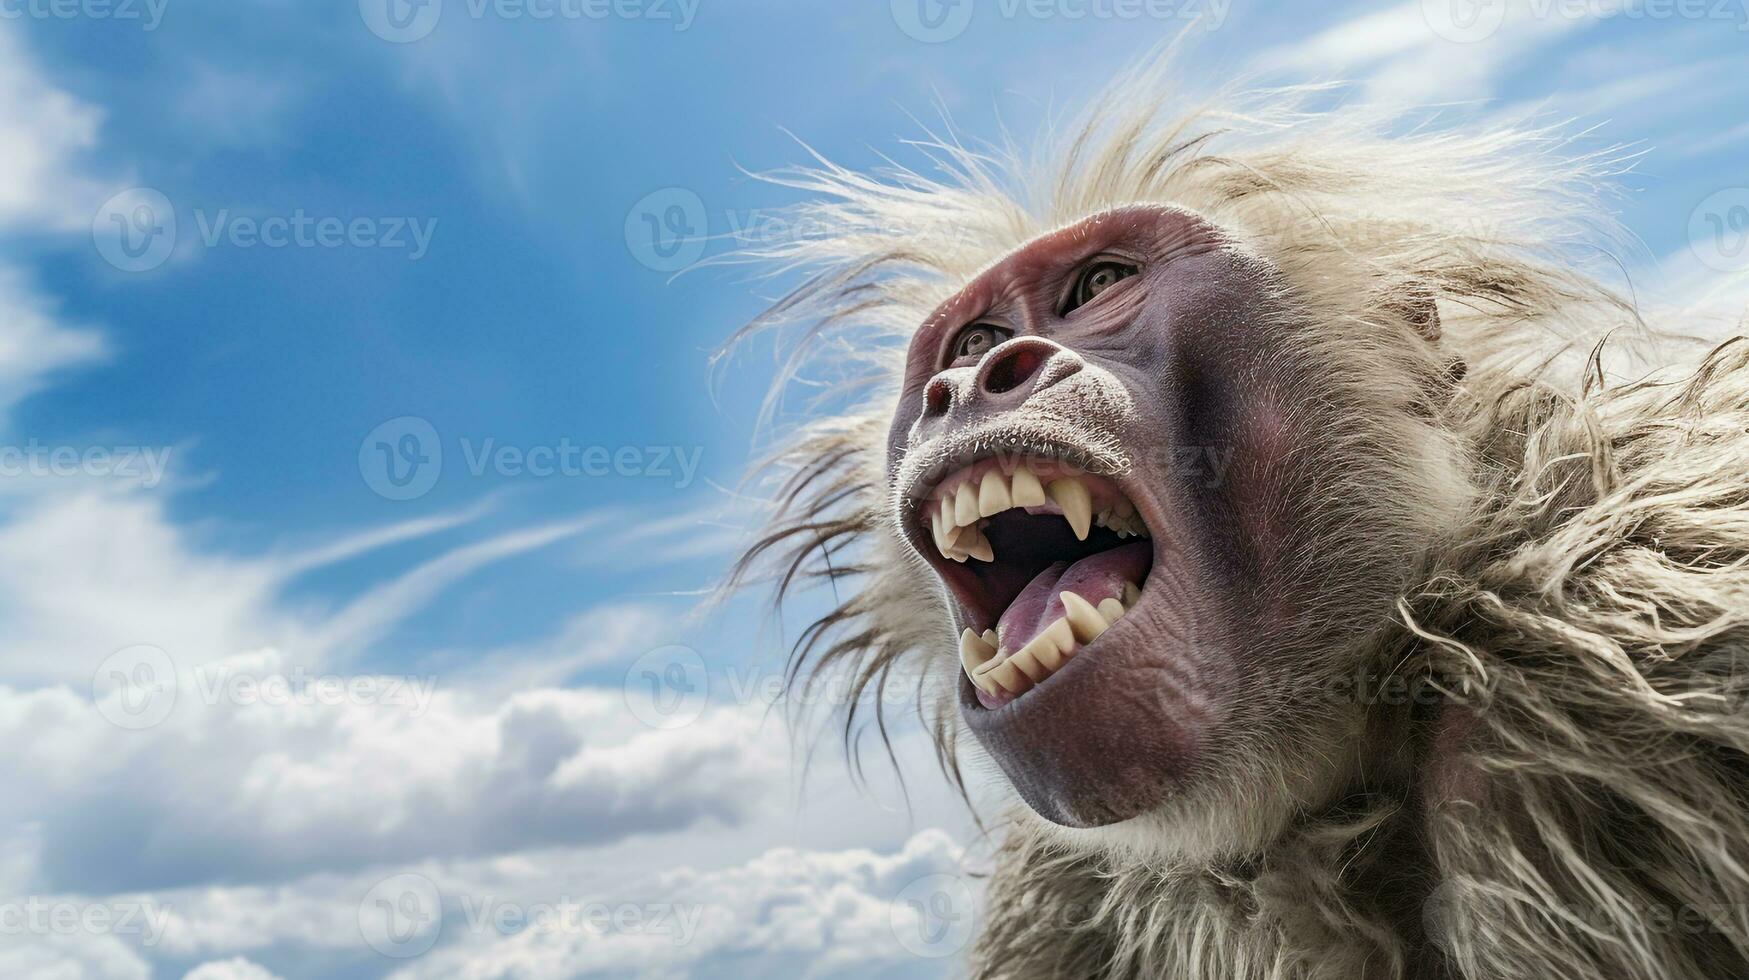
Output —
(1044, 654)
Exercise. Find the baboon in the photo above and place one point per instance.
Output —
(1277, 500)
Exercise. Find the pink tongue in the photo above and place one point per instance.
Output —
(1096, 577)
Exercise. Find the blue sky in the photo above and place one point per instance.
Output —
(476, 269)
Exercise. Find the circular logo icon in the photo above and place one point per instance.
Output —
(1718, 230)
(401, 917)
(933, 916)
(135, 687)
(667, 687)
(666, 230)
(932, 21)
(401, 459)
(1464, 21)
(400, 21)
(135, 230)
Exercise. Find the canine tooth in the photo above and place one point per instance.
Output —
(1083, 619)
(1130, 594)
(965, 505)
(1027, 492)
(1111, 609)
(1077, 503)
(974, 652)
(979, 546)
(993, 495)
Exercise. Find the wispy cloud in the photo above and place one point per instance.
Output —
(44, 133)
(1415, 53)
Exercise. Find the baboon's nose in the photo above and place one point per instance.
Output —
(1007, 376)
(1015, 369)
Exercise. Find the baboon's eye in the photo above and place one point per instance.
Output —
(978, 338)
(1096, 279)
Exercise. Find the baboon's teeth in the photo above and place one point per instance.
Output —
(963, 504)
(975, 652)
(993, 495)
(1082, 617)
(1072, 495)
(1027, 491)
(1003, 675)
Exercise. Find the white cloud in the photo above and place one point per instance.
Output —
(43, 131)
(554, 915)
(33, 346)
(785, 913)
(285, 786)
(232, 969)
(86, 572)
(76, 956)
(1401, 56)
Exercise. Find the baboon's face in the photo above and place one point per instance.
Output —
(1108, 448)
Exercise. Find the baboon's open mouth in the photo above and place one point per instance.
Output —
(1042, 558)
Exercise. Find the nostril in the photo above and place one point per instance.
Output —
(937, 398)
(1012, 369)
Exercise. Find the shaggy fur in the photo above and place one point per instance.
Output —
(1575, 801)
